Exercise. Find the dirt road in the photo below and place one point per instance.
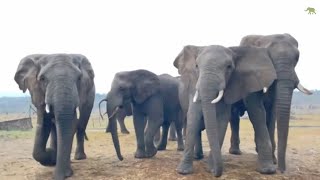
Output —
(303, 157)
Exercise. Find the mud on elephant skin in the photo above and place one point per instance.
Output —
(215, 77)
(284, 54)
(58, 84)
(154, 98)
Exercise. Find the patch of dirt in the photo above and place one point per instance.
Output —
(303, 158)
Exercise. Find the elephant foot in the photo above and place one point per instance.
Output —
(235, 151)
(150, 152)
(161, 147)
(267, 168)
(80, 155)
(185, 168)
(61, 175)
(180, 147)
(48, 158)
(198, 156)
(140, 154)
(125, 131)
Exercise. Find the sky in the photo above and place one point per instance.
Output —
(142, 34)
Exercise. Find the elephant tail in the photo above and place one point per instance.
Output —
(86, 137)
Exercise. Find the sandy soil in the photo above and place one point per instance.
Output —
(303, 157)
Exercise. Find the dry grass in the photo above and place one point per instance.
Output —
(303, 156)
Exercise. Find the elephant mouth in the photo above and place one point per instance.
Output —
(115, 111)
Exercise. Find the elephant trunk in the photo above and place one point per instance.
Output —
(65, 119)
(284, 90)
(112, 127)
(62, 99)
(208, 92)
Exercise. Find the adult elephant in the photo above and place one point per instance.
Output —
(154, 98)
(210, 73)
(58, 84)
(284, 53)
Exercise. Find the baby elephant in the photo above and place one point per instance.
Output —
(154, 98)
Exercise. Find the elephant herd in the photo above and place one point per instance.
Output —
(216, 85)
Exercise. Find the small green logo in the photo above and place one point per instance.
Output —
(311, 10)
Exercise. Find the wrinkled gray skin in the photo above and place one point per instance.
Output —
(63, 82)
(154, 98)
(242, 73)
(284, 53)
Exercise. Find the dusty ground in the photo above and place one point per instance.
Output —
(303, 156)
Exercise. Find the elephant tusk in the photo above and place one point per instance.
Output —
(114, 112)
(195, 98)
(303, 89)
(47, 108)
(78, 112)
(220, 95)
(265, 89)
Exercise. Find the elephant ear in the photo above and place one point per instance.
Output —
(146, 84)
(86, 69)
(186, 64)
(253, 71)
(26, 77)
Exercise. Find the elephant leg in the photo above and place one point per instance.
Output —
(156, 139)
(172, 132)
(46, 157)
(223, 116)
(53, 138)
(139, 124)
(85, 112)
(178, 128)
(163, 141)
(154, 122)
(235, 140)
(123, 127)
(193, 124)
(271, 122)
(198, 151)
(257, 116)
(184, 127)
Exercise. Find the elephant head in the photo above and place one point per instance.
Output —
(213, 73)
(284, 53)
(128, 87)
(56, 82)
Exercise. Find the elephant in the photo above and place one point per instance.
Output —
(284, 54)
(127, 111)
(216, 77)
(154, 98)
(58, 85)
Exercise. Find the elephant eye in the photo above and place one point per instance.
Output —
(229, 67)
(42, 78)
